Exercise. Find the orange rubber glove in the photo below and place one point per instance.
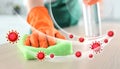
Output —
(91, 2)
(39, 19)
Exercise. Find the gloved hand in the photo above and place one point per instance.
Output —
(39, 19)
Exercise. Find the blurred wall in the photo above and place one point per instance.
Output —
(110, 8)
(6, 6)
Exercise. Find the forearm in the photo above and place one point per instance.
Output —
(33, 3)
(39, 18)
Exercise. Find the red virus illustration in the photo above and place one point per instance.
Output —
(81, 39)
(78, 54)
(90, 55)
(41, 56)
(71, 36)
(105, 40)
(110, 34)
(12, 36)
(96, 46)
(51, 55)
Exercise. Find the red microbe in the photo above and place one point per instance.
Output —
(12, 36)
(71, 36)
(81, 39)
(106, 40)
(90, 55)
(41, 55)
(110, 33)
(96, 46)
(51, 55)
(78, 54)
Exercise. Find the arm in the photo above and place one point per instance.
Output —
(39, 19)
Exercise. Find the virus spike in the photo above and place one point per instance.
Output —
(90, 55)
(78, 54)
(52, 55)
(105, 40)
(40, 56)
(71, 36)
(96, 46)
(12, 36)
(110, 34)
(81, 39)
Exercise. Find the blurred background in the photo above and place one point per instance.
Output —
(109, 8)
(110, 11)
(7, 7)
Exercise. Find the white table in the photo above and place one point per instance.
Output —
(10, 57)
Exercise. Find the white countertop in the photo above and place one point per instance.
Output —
(108, 59)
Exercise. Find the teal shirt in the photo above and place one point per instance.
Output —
(66, 12)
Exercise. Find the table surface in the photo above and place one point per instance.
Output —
(10, 57)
